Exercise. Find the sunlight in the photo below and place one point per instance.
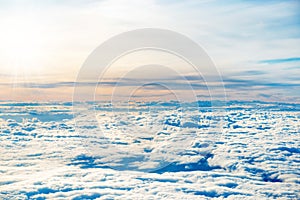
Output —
(21, 44)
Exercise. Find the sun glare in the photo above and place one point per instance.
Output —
(21, 44)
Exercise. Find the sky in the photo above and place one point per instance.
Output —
(253, 44)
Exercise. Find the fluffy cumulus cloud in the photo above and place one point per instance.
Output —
(158, 150)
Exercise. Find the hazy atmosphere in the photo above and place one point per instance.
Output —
(254, 45)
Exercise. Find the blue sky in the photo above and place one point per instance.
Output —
(254, 44)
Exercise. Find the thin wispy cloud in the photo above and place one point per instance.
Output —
(232, 83)
(281, 60)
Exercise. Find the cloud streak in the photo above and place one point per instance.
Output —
(281, 60)
(229, 83)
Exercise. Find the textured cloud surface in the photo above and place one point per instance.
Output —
(150, 150)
